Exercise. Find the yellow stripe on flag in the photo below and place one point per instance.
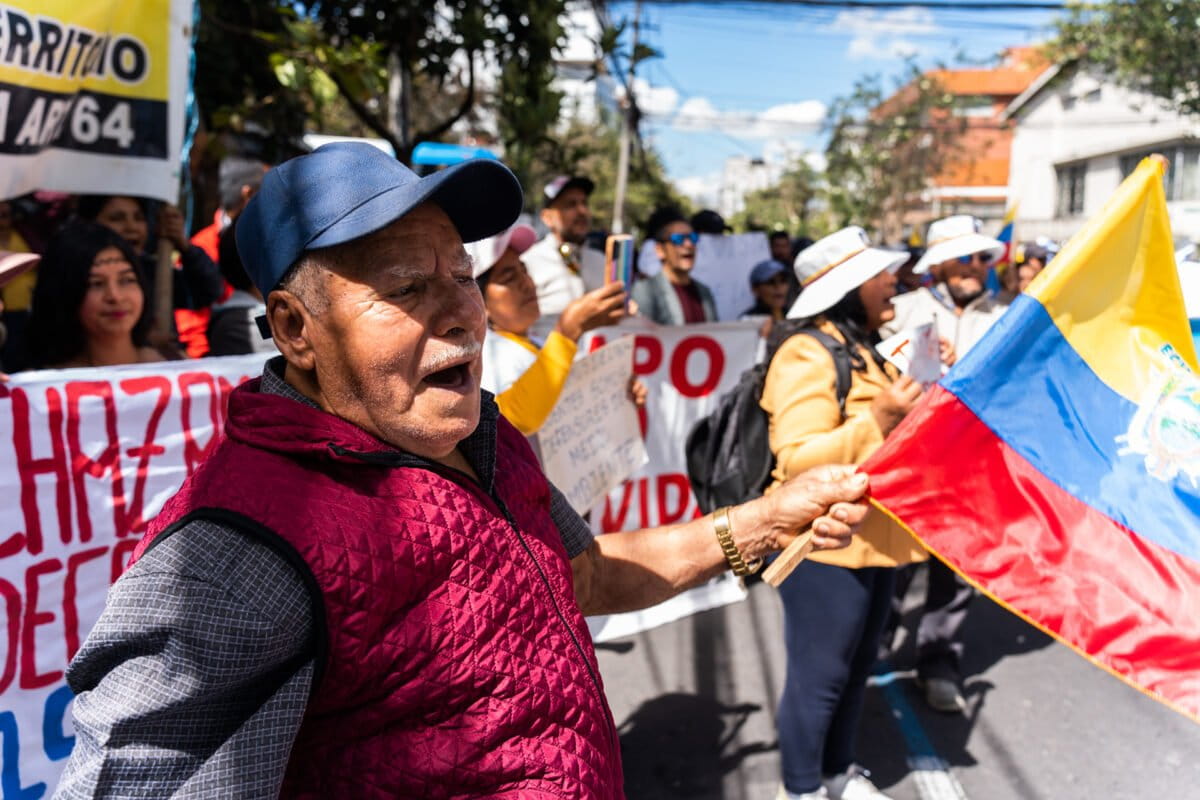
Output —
(1116, 316)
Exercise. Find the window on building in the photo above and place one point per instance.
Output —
(1182, 181)
(974, 106)
(1070, 189)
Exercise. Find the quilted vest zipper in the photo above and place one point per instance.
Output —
(512, 523)
(471, 485)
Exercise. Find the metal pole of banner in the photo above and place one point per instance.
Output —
(164, 267)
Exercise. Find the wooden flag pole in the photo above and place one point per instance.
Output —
(789, 559)
(164, 284)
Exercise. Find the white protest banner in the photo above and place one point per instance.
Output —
(89, 456)
(723, 264)
(592, 441)
(92, 96)
(685, 369)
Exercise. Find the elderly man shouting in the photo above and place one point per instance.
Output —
(369, 589)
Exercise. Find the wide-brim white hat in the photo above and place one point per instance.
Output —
(835, 265)
(955, 237)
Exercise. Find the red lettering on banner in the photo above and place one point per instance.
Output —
(679, 361)
(82, 465)
(596, 343)
(608, 522)
(31, 621)
(70, 591)
(683, 496)
(643, 502)
(193, 453)
(12, 606)
(29, 467)
(129, 520)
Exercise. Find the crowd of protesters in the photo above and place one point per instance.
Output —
(90, 302)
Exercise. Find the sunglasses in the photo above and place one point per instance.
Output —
(678, 239)
(984, 258)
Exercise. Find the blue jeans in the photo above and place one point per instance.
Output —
(833, 618)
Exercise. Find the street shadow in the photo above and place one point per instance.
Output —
(895, 706)
(682, 745)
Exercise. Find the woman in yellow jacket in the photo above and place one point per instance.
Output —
(836, 603)
(526, 375)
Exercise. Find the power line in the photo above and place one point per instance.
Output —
(948, 5)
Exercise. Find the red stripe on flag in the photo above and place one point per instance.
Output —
(1129, 605)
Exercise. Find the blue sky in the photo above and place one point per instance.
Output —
(755, 79)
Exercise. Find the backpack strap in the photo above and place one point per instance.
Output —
(841, 363)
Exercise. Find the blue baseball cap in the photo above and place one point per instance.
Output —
(765, 270)
(343, 191)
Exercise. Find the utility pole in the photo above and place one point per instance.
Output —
(628, 125)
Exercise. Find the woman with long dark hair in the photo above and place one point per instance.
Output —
(197, 284)
(836, 604)
(90, 305)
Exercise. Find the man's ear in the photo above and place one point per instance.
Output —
(292, 328)
(661, 252)
(550, 218)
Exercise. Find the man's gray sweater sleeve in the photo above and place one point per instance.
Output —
(194, 680)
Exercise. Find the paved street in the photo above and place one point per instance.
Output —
(695, 704)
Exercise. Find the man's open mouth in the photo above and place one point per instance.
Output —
(450, 377)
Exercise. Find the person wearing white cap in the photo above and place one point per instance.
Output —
(555, 263)
(526, 375)
(959, 257)
(835, 605)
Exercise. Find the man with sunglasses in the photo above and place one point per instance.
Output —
(673, 297)
(958, 257)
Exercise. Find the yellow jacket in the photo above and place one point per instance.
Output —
(807, 430)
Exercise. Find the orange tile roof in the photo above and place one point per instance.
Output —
(1021, 67)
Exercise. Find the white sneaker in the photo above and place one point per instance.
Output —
(784, 794)
(853, 784)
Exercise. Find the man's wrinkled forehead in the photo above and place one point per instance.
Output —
(425, 236)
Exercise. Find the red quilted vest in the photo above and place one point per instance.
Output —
(458, 664)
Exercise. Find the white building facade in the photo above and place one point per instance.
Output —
(1077, 135)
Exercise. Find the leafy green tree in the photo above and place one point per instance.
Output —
(1147, 44)
(884, 151)
(789, 205)
(405, 71)
(591, 149)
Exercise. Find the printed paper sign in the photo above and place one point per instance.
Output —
(686, 369)
(592, 442)
(92, 96)
(915, 353)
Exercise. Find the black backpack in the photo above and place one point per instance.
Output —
(729, 458)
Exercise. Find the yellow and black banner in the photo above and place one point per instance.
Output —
(92, 95)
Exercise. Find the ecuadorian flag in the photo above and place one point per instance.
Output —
(1057, 465)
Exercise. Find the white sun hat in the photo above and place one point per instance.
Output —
(955, 237)
(835, 265)
(486, 252)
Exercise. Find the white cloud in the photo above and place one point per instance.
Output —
(880, 34)
(657, 100)
(703, 190)
(787, 119)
